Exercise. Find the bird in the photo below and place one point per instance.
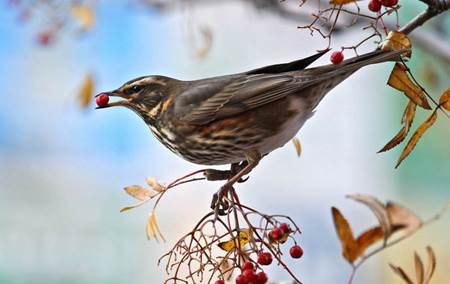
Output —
(239, 118)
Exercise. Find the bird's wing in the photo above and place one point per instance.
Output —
(217, 98)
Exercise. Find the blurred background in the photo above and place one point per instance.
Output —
(63, 167)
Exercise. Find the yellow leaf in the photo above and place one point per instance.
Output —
(138, 192)
(155, 185)
(419, 268)
(341, 2)
(396, 41)
(407, 120)
(86, 91)
(444, 101)
(431, 265)
(297, 145)
(402, 219)
(84, 15)
(345, 235)
(400, 80)
(152, 229)
(243, 238)
(416, 137)
(368, 238)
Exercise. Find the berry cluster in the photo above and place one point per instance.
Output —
(249, 275)
(375, 5)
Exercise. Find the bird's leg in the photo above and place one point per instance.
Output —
(214, 175)
(218, 204)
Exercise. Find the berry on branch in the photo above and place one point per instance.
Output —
(337, 57)
(265, 258)
(296, 251)
(374, 5)
(261, 278)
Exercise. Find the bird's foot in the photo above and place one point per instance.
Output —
(220, 203)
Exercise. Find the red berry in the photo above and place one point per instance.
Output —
(250, 275)
(240, 279)
(296, 251)
(102, 100)
(261, 278)
(247, 266)
(337, 57)
(285, 228)
(264, 258)
(275, 234)
(44, 38)
(374, 5)
(219, 282)
(389, 3)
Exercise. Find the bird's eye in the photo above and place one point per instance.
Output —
(136, 88)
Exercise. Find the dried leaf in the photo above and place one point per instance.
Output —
(84, 15)
(152, 229)
(243, 238)
(419, 268)
(400, 80)
(402, 218)
(444, 101)
(297, 145)
(378, 209)
(155, 185)
(396, 41)
(368, 238)
(431, 265)
(341, 2)
(138, 192)
(345, 235)
(86, 92)
(416, 137)
(133, 206)
(399, 271)
(207, 36)
(407, 120)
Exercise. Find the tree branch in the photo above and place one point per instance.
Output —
(434, 8)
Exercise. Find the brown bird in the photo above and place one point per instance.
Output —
(236, 119)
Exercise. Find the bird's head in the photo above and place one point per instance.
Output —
(143, 95)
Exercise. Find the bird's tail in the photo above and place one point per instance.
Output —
(353, 64)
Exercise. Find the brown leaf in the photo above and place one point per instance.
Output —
(341, 2)
(244, 238)
(396, 41)
(407, 120)
(431, 265)
(297, 145)
(368, 238)
(152, 228)
(416, 136)
(138, 192)
(444, 101)
(86, 91)
(399, 271)
(400, 80)
(402, 218)
(345, 235)
(378, 209)
(134, 206)
(84, 15)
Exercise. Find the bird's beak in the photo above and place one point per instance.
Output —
(123, 102)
